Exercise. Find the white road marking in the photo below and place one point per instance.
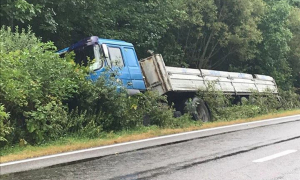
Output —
(275, 156)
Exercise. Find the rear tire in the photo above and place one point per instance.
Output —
(201, 112)
(177, 114)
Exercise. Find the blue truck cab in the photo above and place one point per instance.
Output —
(109, 55)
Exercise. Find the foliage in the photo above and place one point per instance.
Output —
(65, 22)
(289, 99)
(219, 28)
(294, 44)
(17, 11)
(46, 121)
(48, 97)
(274, 49)
(34, 83)
(5, 127)
(114, 111)
(265, 101)
(216, 100)
(258, 36)
(226, 107)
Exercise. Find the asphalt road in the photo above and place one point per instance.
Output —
(270, 153)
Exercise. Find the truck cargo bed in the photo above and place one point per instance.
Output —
(163, 79)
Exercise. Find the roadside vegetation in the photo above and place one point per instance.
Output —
(47, 101)
(44, 97)
(225, 107)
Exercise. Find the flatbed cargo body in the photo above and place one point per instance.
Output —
(164, 79)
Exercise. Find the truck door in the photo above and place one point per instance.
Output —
(134, 68)
(118, 65)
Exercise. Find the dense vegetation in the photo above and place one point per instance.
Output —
(44, 97)
(257, 36)
(223, 107)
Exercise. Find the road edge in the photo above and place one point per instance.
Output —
(73, 156)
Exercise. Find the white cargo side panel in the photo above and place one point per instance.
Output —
(164, 79)
(265, 83)
(185, 79)
(244, 86)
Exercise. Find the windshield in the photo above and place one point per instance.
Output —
(89, 55)
(98, 62)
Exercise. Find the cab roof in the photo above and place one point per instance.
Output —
(113, 41)
(86, 41)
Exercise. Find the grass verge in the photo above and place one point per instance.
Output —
(66, 144)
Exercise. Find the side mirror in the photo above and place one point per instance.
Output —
(105, 50)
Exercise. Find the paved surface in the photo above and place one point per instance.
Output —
(226, 156)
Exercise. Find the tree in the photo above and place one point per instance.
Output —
(273, 50)
(215, 30)
(257, 36)
(13, 11)
(65, 22)
(294, 44)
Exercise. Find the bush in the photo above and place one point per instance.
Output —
(46, 121)
(34, 84)
(265, 101)
(114, 110)
(83, 125)
(155, 108)
(49, 97)
(5, 127)
(289, 99)
(217, 101)
(224, 107)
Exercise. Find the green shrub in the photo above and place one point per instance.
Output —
(49, 97)
(114, 110)
(217, 101)
(289, 99)
(5, 127)
(222, 106)
(266, 101)
(83, 125)
(107, 107)
(46, 122)
(34, 84)
(155, 109)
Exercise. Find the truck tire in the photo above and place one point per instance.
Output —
(201, 110)
(146, 120)
(177, 114)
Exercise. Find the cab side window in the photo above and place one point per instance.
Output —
(116, 57)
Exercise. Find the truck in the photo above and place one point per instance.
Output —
(178, 84)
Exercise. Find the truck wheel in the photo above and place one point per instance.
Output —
(146, 120)
(201, 111)
(177, 114)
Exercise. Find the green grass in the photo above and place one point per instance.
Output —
(71, 143)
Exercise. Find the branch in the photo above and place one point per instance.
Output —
(212, 50)
(204, 50)
(222, 59)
